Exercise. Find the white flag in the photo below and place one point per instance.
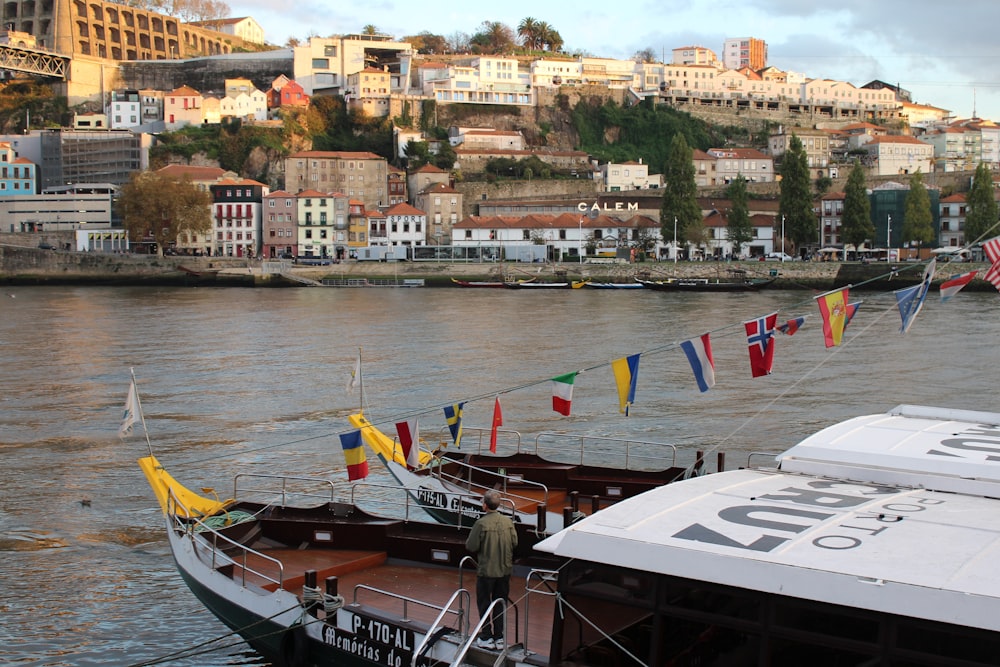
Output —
(355, 375)
(131, 412)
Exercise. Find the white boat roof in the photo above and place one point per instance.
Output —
(907, 550)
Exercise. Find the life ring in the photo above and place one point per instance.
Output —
(294, 647)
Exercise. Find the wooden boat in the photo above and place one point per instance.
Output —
(635, 284)
(736, 281)
(542, 491)
(874, 541)
(488, 283)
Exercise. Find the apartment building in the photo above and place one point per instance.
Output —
(361, 176)
(952, 221)
(369, 90)
(815, 143)
(740, 52)
(629, 175)
(405, 226)
(237, 214)
(443, 206)
(693, 55)
(279, 225)
(891, 155)
(750, 163)
(18, 175)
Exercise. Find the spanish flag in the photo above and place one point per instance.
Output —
(354, 455)
(626, 372)
(833, 308)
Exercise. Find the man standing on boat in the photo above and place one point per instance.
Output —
(493, 539)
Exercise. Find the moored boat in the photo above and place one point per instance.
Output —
(542, 490)
(488, 283)
(872, 542)
(635, 284)
(736, 281)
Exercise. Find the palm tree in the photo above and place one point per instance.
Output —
(528, 31)
(369, 30)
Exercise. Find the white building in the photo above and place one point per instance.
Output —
(625, 176)
(405, 226)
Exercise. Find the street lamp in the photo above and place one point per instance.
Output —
(580, 250)
(675, 242)
(782, 255)
(888, 231)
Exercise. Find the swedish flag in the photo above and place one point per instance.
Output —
(453, 415)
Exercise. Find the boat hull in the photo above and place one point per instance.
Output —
(705, 285)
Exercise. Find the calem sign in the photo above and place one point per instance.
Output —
(584, 207)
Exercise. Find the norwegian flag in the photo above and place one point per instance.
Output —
(760, 343)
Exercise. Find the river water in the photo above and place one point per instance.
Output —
(253, 380)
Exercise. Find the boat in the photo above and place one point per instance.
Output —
(736, 281)
(541, 490)
(873, 541)
(489, 283)
(635, 284)
(572, 284)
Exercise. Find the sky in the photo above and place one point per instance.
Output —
(947, 56)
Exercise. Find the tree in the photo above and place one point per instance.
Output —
(493, 38)
(646, 55)
(823, 185)
(739, 230)
(680, 195)
(152, 204)
(527, 29)
(918, 221)
(856, 222)
(428, 43)
(980, 207)
(795, 206)
(369, 29)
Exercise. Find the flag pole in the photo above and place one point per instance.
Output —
(142, 417)
(361, 383)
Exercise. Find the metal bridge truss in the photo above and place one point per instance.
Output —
(33, 62)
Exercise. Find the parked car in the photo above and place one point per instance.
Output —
(46, 246)
(778, 257)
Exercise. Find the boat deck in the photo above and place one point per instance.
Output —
(429, 583)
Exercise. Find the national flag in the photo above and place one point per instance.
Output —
(453, 415)
(992, 249)
(699, 355)
(954, 285)
(760, 343)
(409, 439)
(562, 393)
(911, 299)
(130, 413)
(354, 455)
(355, 375)
(833, 309)
(791, 326)
(497, 422)
(852, 308)
(626, 372)
(992, 275)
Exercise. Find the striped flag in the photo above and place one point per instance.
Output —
(992, 249)
(409, 439)
(562, 393)
(993, 275)
(354, 455)
(954, 285)
(699, 355)
(833, 309)
(791, 326)
(626, 372)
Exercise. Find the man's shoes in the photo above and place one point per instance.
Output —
(498, 644)
(486, 643)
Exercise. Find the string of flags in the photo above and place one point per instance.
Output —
(835, 309)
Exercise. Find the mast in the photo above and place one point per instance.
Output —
(142, 417)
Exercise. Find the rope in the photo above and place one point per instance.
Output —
(312, 595)
(561, 602)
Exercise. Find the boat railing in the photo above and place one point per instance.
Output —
(770, 455)
(461, 596)
(640, 452)
(282, 493)
(503, 479)
(479, 438)
(464, 602)
(537, 583)
(408, 501)
(192, 526)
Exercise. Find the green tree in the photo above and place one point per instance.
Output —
(527, 29)
(445, 157)
(680, 195)
(493, 38)
(980, 206)
(152, 204)
(417, 154)
(918, 220)
(739, 229)
(856, 222)
(795, 206)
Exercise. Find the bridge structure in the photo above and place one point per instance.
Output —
(34, 61)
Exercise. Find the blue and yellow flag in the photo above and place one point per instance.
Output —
(626, 372)
(453, 415)
(354, 455)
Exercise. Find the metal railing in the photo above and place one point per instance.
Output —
(538, 582)
(193, 528)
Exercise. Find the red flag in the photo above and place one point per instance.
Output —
(497, 421)
(409, 439)
(993, 275)
(760, 343)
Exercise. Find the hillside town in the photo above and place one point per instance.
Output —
(146, 75)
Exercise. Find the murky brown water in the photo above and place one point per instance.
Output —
(237, 380)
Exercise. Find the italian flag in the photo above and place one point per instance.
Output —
(562, 393)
